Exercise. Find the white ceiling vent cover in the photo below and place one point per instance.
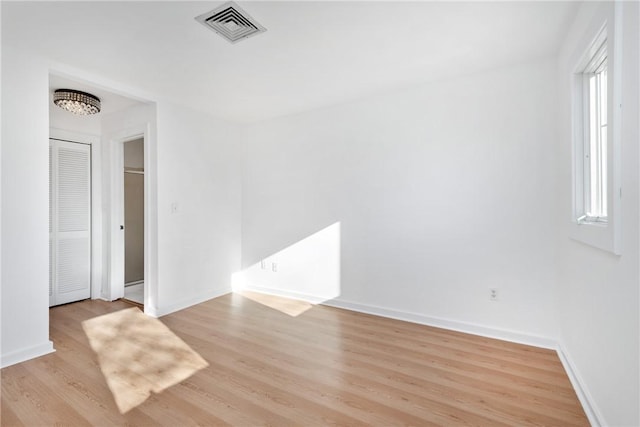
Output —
(231, 22)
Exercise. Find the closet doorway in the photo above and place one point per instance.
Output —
(134, 220)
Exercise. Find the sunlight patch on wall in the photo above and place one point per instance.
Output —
(139, 355)
(308, 271)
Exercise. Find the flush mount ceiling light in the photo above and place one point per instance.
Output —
(76, 102)
(231, 22)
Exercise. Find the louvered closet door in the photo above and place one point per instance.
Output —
(70, 222)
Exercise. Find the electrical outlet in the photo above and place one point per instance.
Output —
(274, 267)
(493, 294)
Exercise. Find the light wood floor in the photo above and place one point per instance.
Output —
(325, 366)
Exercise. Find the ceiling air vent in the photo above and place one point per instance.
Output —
(231, 22)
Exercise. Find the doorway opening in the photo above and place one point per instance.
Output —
(123, 120)
(133, 181)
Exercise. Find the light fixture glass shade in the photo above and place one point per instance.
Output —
(76, 102)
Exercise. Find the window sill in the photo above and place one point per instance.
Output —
(592, 223)
(597, 234)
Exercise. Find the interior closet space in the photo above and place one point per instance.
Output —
(134, 220)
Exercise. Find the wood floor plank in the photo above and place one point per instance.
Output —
(325, 366)
(443, 389)
(76, 386)
(36, 403)
(343, 392)
(445, 357)
(542, 408)
(8, 417)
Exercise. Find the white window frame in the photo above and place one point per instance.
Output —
(601, 232)
(584, 183)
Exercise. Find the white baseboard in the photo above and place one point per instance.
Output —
(591, 410)
(455, 325)
(186, 303)
(287, 294)
(135, 282)
(593, 413)
(25, 354)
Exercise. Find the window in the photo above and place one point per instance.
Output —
(597, 193)
(594, 170)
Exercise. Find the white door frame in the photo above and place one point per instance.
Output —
(96, 202)
(116, 234)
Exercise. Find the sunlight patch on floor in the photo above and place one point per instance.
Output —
(292, 307)
(139, 355)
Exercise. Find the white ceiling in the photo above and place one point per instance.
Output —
(313, 53)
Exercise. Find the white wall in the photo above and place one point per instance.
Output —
(309, 269)
(199, 170)
(442, 191)
(599, 296)
(194, 163)
(25, 207)
(1, 353)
